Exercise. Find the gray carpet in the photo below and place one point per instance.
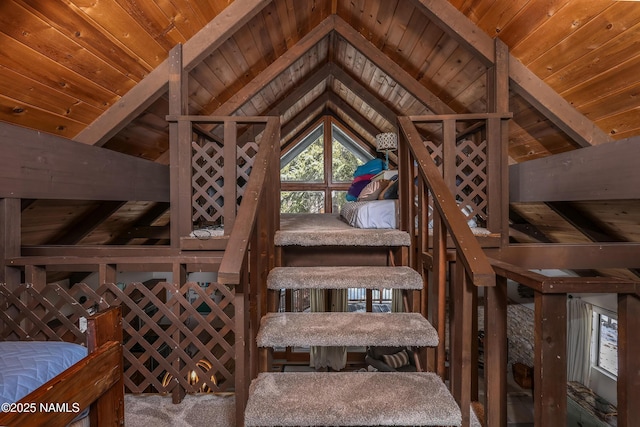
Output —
(344, 278)
(350, 399)
(195, 410)
(346, 329)
(330, 230)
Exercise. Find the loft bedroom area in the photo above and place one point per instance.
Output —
(202, 173)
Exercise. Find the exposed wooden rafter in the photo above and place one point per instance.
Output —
(582, 130)
(388, 66)
(208, 39)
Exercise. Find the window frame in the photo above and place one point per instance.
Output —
(596, 344)
(328, 185)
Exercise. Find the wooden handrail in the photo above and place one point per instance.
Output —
(238, 245)
(469, 251)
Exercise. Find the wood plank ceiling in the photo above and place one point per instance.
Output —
(63, 64)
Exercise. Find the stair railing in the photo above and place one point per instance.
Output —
(250, 255)
(472, 267)
(550, 343)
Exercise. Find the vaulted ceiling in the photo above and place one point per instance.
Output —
(65, 66)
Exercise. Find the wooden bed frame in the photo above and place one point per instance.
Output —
(96, 380)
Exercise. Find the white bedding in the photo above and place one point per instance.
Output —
(371, 214)
(384, 214)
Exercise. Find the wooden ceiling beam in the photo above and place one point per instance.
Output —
(297, 93)
(569, 256)
(365, 94)
(388, 66)
(35, 165)
(146, 219)
(309, 111)
(145, 93)
(78, 230)
(276, 68)
(358, 118)
(542, 97)
(604, 172)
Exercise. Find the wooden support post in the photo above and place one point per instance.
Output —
(36, 275)
(495, 353)
(230, 175)
(461, 341)
(628, 360)
(405, 180)
(241, 305)
(449, 154)
(179, 279)
(10, 220)
(550, 362)
(438, 287)
(107, 273)
(497, 143)
(180, 185)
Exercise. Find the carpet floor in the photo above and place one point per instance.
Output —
(197, 410)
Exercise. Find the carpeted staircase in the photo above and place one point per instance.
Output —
(346, 398)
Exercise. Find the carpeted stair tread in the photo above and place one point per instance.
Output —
(330, 230)
(344, 278)
(346, 329)
(350, 399)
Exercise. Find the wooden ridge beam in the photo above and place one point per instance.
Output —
(208, 39)
(560, 112)
(603, 172)
(365, 94)
(36, 165)
(308, 111)
(276, 68)
(389, 67)
(357, 118)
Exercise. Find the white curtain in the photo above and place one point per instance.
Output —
(579, 329)
(328, 357)
(397, 303)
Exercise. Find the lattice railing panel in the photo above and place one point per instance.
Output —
(471, 177)
(176, 336)
(207, 181)
(436, 153)
(245, 157)
(51, 314)
(172, 335)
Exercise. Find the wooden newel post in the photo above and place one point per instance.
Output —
(550, 363)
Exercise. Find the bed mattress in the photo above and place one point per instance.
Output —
(26, 365)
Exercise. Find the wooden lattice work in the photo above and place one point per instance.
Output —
(172, 335)
(176, 336)
(470, 176)
(245, 157)
(207, 181)
(50, 314)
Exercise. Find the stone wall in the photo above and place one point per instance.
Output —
(520, 333)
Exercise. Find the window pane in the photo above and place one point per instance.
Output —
(608, 347)
(338, 199)
(344, 164)
(302, 202)
(308, 166)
